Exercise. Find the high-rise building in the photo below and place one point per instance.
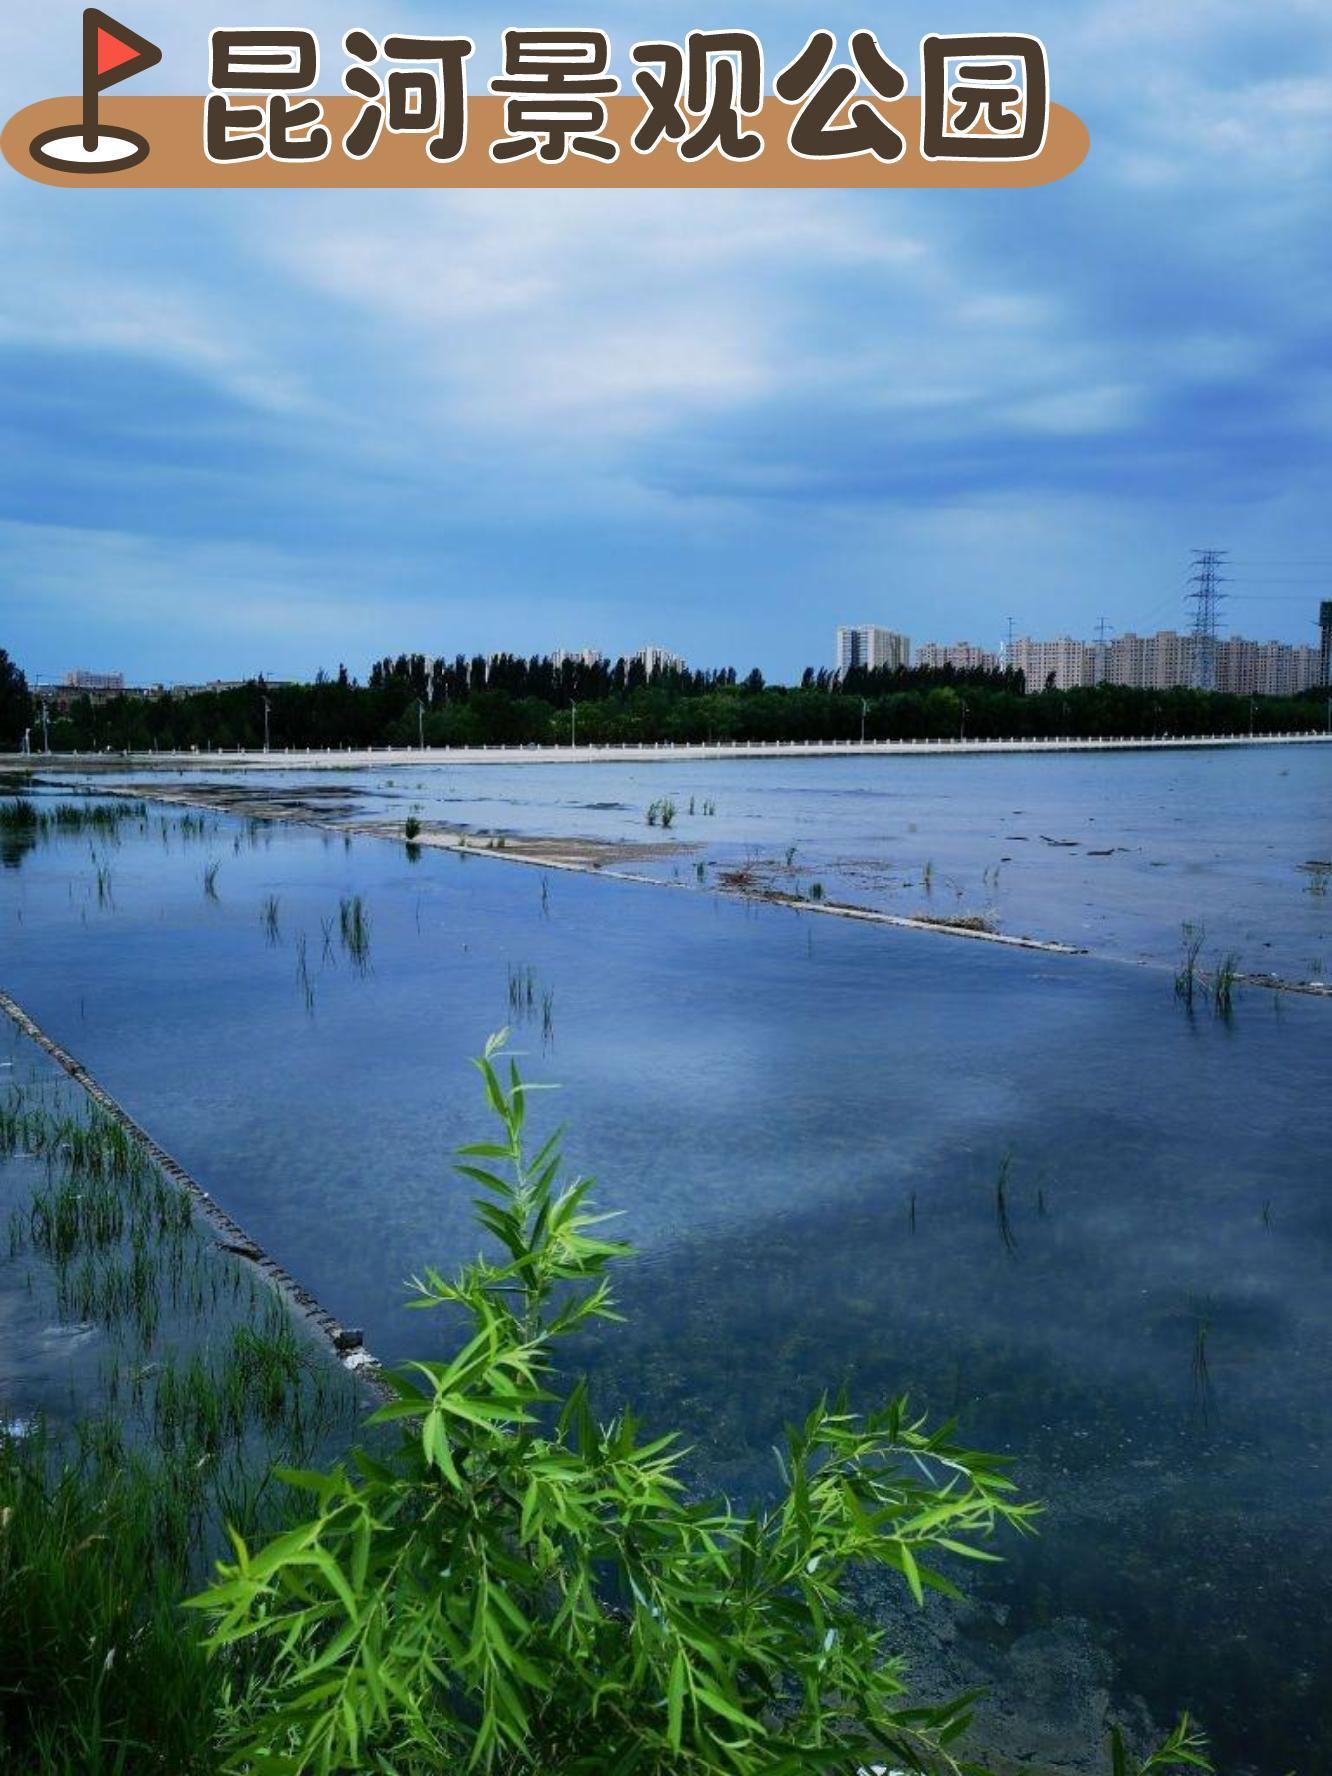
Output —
(80, 680)
(576, 657)
(867, 645)
(1063, 662)
(658, 659)
(960, 655)
(1165, 660)
(1325, 641)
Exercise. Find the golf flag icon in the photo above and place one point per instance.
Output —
(112, 52)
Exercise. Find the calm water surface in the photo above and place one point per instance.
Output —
(804, 1122)
(1110, 851)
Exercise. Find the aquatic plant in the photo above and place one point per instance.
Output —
(816, 891)
(270, 918)
(1223, 984)
(701, 870)
(1001, 1212)
(210, 878)
(1186, 977)
(927, 878)
(103, 1531)
(1199, 1368)
(19, 815)
(522, 990)
(354, 929)
(303, 979)
(411, 827)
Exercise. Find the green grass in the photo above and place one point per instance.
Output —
(20, 816)
(105, 1529)
(99, 1672)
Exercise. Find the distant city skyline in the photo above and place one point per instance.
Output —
(1166, 657)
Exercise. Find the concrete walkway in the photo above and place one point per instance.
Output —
(281, 759)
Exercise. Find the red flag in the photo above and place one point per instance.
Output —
(112, 52)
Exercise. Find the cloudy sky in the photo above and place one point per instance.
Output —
(272, 432)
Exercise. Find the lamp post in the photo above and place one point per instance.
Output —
(962, 731)
(420, 724)
(267, 707)
(864, 711)
(573, 725)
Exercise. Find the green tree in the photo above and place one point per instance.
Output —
(524, 1589)
(15, 704)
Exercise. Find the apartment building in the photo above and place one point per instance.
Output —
(960, 655)
(869, 646)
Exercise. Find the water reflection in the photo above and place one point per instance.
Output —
(1030, 1191)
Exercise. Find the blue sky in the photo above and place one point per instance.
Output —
(271, 432)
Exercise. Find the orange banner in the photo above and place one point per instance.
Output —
(173, 131)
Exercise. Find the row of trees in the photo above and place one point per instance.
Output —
(534, 702)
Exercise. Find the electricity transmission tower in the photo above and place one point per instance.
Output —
(1206, 599)
(1102, 656)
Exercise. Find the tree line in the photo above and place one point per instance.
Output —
(509, 700)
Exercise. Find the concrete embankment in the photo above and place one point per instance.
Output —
(279, 759)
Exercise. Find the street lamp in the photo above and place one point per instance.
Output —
(573, 724)
(864, 711)
(267, 707)
(962, 733)
(420, 724)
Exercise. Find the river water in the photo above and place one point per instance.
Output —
(805, 1122)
